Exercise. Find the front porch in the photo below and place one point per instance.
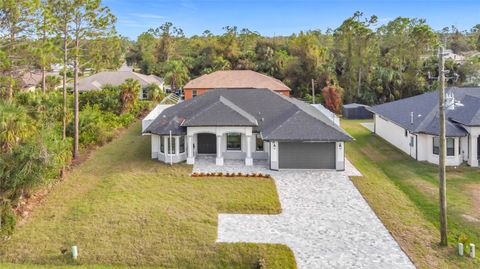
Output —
(225, 145)
(207, 164)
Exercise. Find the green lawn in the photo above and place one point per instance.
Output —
(404, 194)
(122, 209)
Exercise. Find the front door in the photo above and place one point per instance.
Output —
(207, 144)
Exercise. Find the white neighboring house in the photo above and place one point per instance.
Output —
(246, 124)
(457, 58)
(99, 80)
(411, 124)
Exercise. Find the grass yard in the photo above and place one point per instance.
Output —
(404, 195)
(123, 209)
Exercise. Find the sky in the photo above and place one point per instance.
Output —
(282, 17)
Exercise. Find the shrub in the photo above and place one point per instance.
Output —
(154, 93)
(37, 160)
(462, 238)
(7, 221)
(95, 127)
(107, 100)
(262, 263)
(125, 119)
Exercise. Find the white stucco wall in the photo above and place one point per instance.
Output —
(274, 161)
(426, 147)
(422, 146)
(395, 135)
(165, 157)
(155, 146)
(464, 148)
(474, 133)
(340, 156)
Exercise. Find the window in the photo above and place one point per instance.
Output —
(194, 93)
(436, 145)
(182, 144)
(406, 132)
(144, 93)
(162, 144)
(258, 143)
(171, 145)
(450, 146)
(234, 142)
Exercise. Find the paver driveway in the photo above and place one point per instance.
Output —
(325, 221)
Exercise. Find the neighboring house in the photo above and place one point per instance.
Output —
(30, 81)
(457, 58)
(115, 78)
(58, 67)
(248, 124)
(411, 124)
(233, 79)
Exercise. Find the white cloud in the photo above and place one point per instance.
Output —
(148, 16)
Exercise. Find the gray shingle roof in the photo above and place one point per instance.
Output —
(115, 78)
(221, 113)
(425, 112)
(277, 117)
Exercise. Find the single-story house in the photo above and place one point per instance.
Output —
(31, 80)
(411, 124)
(247, 124)
(233, 79)
(99, 80)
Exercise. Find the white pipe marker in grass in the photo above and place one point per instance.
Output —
(460, 249)
(472, 250)
(74, 252)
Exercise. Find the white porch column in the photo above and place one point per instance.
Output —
(166, 147)
(155, 145)
(177, 145)
(219, 159)
(248, 159)
(472, 151)
(190, 157)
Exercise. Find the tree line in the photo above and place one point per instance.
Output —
(364, 61)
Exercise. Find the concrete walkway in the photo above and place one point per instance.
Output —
(325, 221)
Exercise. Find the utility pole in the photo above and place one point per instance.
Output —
(313, 91)
(443, 152)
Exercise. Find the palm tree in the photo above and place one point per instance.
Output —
(154, 92)
(176, 73)
(14, 126)
(130, 92)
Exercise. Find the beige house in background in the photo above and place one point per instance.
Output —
(99, 80)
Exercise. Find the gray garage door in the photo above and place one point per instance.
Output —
(307, 155)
